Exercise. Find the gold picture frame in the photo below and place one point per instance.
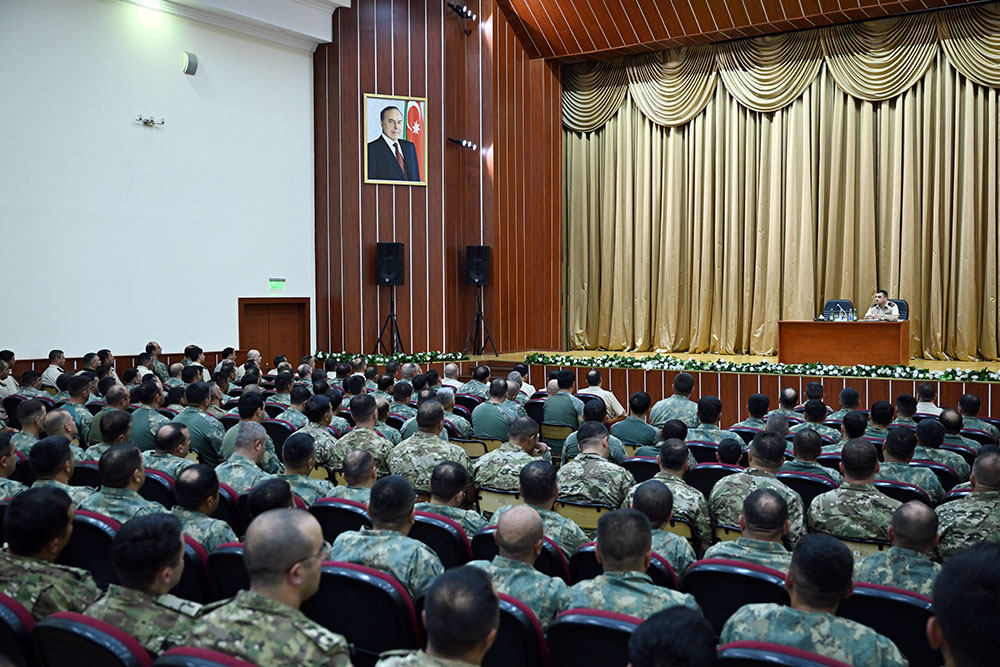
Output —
(395, 144)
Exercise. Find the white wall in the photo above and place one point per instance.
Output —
(112, 233)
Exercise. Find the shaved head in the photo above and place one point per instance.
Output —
(276, 540)
(914, 526)
(518, 530)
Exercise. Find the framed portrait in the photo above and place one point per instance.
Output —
(395, 139)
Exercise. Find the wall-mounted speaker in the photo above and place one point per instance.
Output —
(389, 263)
(477, 265)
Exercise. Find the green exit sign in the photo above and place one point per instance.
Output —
(276, 283)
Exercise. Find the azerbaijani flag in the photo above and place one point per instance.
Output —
(415, 132)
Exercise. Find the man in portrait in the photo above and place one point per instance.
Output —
(390, 157)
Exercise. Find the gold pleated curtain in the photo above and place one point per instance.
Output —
(711, 191)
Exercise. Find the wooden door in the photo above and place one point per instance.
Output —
(275, 326)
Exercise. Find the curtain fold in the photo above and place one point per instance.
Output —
(970, 36)
(767, 73)
(672, 87)
(592, 94)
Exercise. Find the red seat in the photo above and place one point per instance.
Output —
(520, 640)
(590, 637)
(67, 638)
(16, 624)
(897, 614)
(89, 547)
(279, 430)
(444, 536)
(338, 515)
(227, 570)
(766, 654)
(158, 488)
(188, 656)
(721, 586)
(228, 509)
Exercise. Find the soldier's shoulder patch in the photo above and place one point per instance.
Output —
(181, 606)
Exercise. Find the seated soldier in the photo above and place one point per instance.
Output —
(853, 427)
(777, 422)
(174, 400)
(31, 414)
(415, 457)
(968, 407)
(205, 430)
(563, 407)
(409, 427)
(148, 554)
(461, 615)
(79, 393)
(490, 419)
(678, 406)
(906, 407)
(171, 444)
(880, 418)
(215, 400)
(242, 470)
(8, 461)
(623, 547)
(952, 422)
(449, 483)
(196, 490)
(299, 455)
(479, 384)
(856, 510)
(363, 436)
(634, 429)
(930, 437)
(538, 488)
(806, 448)
(360, 475)
(381, 414)
(757, 406)
(788, 398)
(463, 429)
(386, 546)
(282, 389)
(190, 375)
(295, 414)
(519, 538)
(51, 459)
(729, 452)
(284, 555)
(37, 525)
(117, 399)
(815, 415)
(60, 422)
(766, 454)
(676, 636)
(707, 430)
(122, 475)
(596, 412)
(966, 596)
(116, 427)
(898, 449)
(251, 409)
(764, 522)
(974, 518)
(400, 405)
(514, 403)
(353, 386)
(500, 468)
(591, 477)
(654, 499)
(271, 494)
(906, 564)
(849, 402)
(31, 385)
(818, 579)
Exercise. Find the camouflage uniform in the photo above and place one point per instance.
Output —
(689, 505)
(206, 434)
(461, 425)
(903, 421)
(875, 432)
(94, 452)
(340, 425)
(471, 521)
(308, 488)
(813, 468)
(409, 427)
(769, 554)
(514, 408)
(359, 494)
(632, 593)
(961, 441)
(94, 436)
(283, 398)
(411, 562)
(899, 568)
(822, 429)
(787, 412)
(616, 451)
(77, 494)
(83, 419)
(916, 475)
(591, 478)
(23, 441)
(391, 434)
(751, 422)
(674, 407)
(205, 530)
(416, 457)
(158, 623)
(708, 433)
(267, 632)
(635, 431)
(980, 425)
(404, 410)
(164, 462)
(294, 417)
(411, 658)
(501, 468)
(839, 414)
(542, 593)
(362, 438)
(831, 636)
(270, 463)
(564, 532)
(726, 500)
(967, 521)
(160, 369)
(241, 473)
(854, 511)
(957, 463)
(674, 549)
(323, 443)
(10, 488)
(476, 388)
(491, 421)
(45, 588)
(120, 504)
(174, 382)
(216, 411)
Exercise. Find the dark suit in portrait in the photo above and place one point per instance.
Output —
(383, 165)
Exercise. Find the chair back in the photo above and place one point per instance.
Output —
(902, 491)
(89, 547)
(703, 452)
(195, 584)
(585, 515)
(583, 564)
(590, 637)
(67, 638)
(370, 608)
(724, 533)
(766, 654)
(897, 614)
(338, 515)
(95, 406)
(681, 527)
(227, 570)
(903, 307)
(167, 412)
(806, 484)
(641, 467)
(274, 409)
(536, 409)
(228, 509)
(463, 411)
(945, 473)
(10, 407)
(555, 432)
(982, 437)
(704, 476)
(473, 448)
(85, 474)
(834, 307)
(831, 460)
(159, 488)
(550, 561)
(23, 472)
(279, 430)
(229, 421)
(444, 536)
(954, 494)
(861, 547)
(395, 421)
(491, 443)
(747, 433)
(520, 640)
(468, 401)
(490, 500)
(189, 656)
(16, 624)
(721, 586)
(966, 452)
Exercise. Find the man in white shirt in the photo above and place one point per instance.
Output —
(615, 409)
(882, 309)
(926, 393)
(450, 378)
(56, 361)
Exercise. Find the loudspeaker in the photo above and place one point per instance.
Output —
(389, 263)
(477, 265)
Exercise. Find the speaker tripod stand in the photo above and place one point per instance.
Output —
(478, 347)
(395, 341)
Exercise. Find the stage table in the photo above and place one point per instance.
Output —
(844, 343)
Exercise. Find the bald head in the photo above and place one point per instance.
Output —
(519, 530)
(58, 422)
(278, 539)
(914, 526)
(986, 471)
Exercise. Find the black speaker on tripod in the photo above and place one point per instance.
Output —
(477, 265)
(389, 271)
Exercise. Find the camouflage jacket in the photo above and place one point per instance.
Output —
(674, 407)
(411, 562)
(751, 422)
(294, 417)
(854, 511)
(708, 433)
(556, 527)
(203, 529)
(899, 568)
(76, 493)
(967, 521)
(120, 504)
(632, 593)
(266, 632)
(916, 475)
(476, 388)
(674, 549)
(832, 636)
(769, 554)
(958, 464)
(689, 505)
(471, 521)
(9, 488)
(980, 425)
(367, 439)
(461, 425)
(159, 623)
(241, 473)
(726, 500)
(501, 468)
(591, 478)
(392, 434)
(83, 419)
(308, 488)
(542, 593)
(359, 494)
(798, 465)
(416, 457)
(23, 441)
(822, 429)
(411, 658)
(45, 588)
(166, 463)
(324, 443)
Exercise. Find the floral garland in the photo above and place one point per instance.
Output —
(663, 362)
(382, 359)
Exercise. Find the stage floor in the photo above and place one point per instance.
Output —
(931, 364)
